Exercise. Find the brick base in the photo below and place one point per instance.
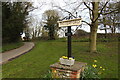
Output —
(63, 71)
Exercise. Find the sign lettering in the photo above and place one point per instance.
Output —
(71, 22)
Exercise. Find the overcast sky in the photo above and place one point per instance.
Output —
(48, 4)
(69, 5)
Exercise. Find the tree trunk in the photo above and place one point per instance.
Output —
(38, 32)
(105, 28)
(105, 31)
(94, 27)
(33, 35)
(93, 37)
(111, 29)
(51, 33)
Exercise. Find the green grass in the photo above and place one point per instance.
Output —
(36, 63)
(9, 46)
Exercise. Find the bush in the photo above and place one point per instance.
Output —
(90, 72)
(93, 71)
(48, 75)
(107, 39)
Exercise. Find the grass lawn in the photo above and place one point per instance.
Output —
(36, 63)
(9, 46)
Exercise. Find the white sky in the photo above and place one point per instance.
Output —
(48, 4)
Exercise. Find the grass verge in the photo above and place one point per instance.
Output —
(36, 63)
(10, 46)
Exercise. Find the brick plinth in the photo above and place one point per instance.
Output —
(64, 71)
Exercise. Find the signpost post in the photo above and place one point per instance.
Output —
(68, 24)
(69, 34)
(68, 68)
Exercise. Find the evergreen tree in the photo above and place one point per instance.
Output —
(14, 20)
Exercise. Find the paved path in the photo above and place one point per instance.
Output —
(9, 55)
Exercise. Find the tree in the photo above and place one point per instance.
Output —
(94, 26)
(14, 19)
(110, 18)
(114, 17)
(103, 22)
(35, 31)
(95, 14)
(118, 9)
(51, 17)
(44, 34)
(34, 28)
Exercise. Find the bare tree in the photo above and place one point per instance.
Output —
(35, 28)
(95, 11)
(34, 24)
(94, 14)
(110, 17)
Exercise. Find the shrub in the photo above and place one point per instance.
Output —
(92, 71)
(48, 75)
(107, 39)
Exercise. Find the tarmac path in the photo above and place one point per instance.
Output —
(12, 54)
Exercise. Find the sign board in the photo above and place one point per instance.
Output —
(71, 22)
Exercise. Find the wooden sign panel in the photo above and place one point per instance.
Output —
(71, 22)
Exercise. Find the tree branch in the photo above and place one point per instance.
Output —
(33, 9)
(65, 11)
(4, 3)
(63, 30)
(110, 12)
(90, 15)
(87, 23)
(77, 7)
(101, 11)
(88, 6)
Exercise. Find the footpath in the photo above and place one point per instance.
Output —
(12, 54)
